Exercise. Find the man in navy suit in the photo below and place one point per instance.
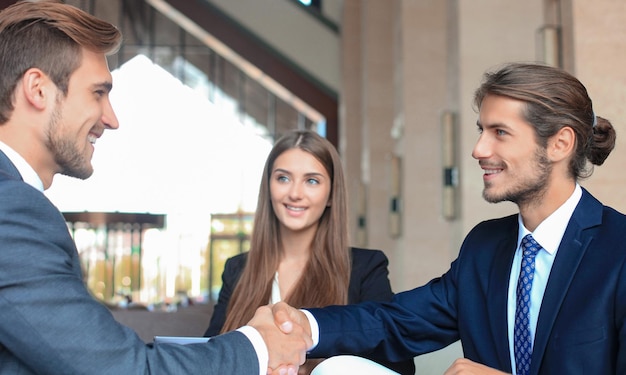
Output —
(54, 105)
(538, 136)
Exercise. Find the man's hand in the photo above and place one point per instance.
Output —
(464, 366)
(286, 316)
(287, 346)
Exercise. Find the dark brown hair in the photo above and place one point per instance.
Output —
(554, 99)
(49, 36)
(327, 275)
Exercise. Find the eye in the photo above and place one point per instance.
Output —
(282, 178)
(501, 132)
(313, 181)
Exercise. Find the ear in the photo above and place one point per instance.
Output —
(562, 144)
(36, 87)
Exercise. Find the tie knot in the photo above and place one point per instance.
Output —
(530, 246)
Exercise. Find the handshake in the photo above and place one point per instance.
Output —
(287, 335)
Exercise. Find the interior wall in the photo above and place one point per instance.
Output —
(506, 33)
(350, 119)
(599, 31)
(377, 117)
(425, 75)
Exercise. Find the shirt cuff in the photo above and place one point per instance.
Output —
(315, 329)
(259, 347)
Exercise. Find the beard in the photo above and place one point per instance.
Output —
(530, 189)
(65, 151)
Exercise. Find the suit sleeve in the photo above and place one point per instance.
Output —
(415, 322)
(230, 276)
(370, 282)
(50, 323)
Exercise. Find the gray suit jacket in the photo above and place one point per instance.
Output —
(49, 322)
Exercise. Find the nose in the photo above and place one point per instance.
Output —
(482, 148)
(109, 119)
(295, 191)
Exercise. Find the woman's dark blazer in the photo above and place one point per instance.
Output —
(369, 281)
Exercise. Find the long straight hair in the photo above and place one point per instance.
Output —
(326, 276)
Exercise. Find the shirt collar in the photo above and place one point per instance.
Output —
(550, 232)
(26, 171)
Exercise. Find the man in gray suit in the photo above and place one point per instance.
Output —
(54, 105)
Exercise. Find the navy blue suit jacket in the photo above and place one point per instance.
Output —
(368, 282)
(49, 322)
(580, 328)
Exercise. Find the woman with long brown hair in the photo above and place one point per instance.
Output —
(299, 250)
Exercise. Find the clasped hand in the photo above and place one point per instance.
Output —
(286, 333)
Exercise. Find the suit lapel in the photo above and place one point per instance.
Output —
(573, 246)
(497, 297)
(7, 166)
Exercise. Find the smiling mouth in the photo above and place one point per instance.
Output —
(93, 136)
(492, 171)
(489, 169)
(295, 208)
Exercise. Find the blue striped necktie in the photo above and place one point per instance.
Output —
(522, 341)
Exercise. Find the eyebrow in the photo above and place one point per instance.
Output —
(314, 174)
(494, 125)
(308, 174)
(107, 86)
